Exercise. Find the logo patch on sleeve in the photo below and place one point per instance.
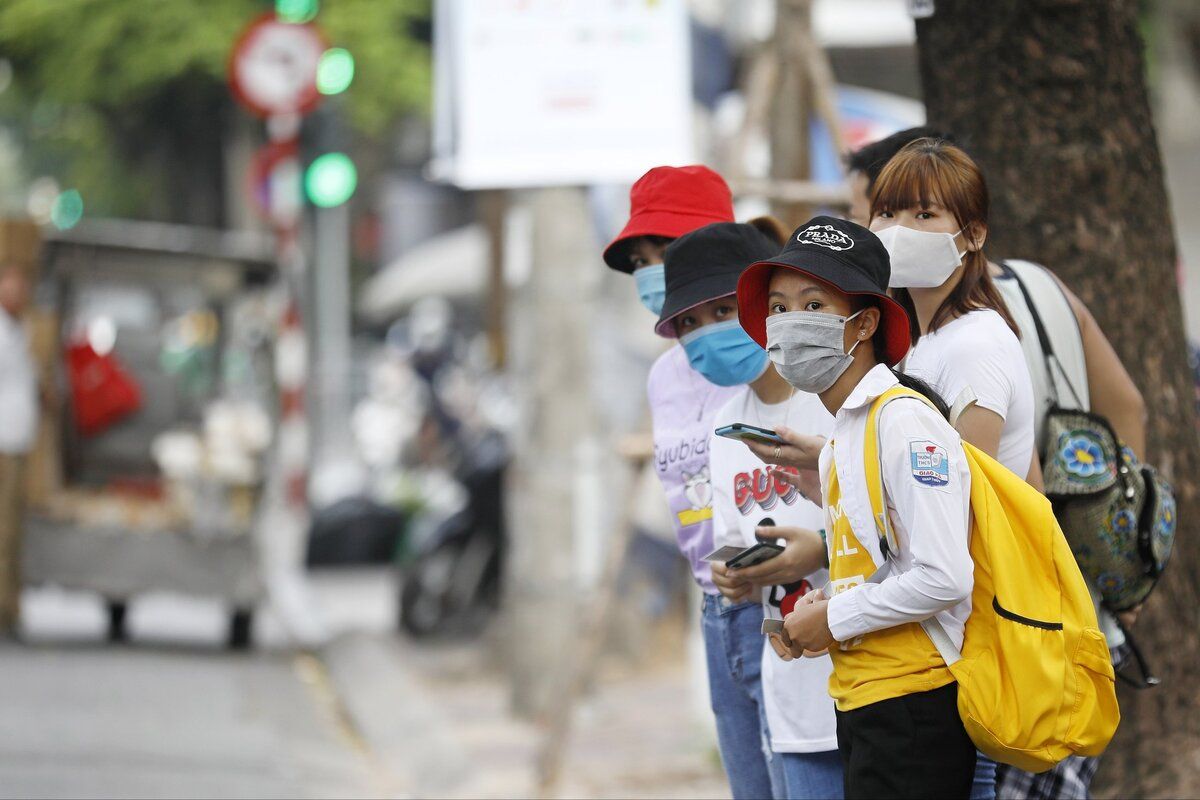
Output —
(930, 464)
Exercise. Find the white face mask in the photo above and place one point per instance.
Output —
(920, 259)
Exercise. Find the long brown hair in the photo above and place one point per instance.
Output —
(933, 170)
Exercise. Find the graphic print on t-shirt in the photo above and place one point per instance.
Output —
(686, 458)
(697, 488)
(762, 489)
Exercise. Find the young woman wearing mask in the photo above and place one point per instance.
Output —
(821, 309)
(796, 716)
(929, 208)
(665, 203)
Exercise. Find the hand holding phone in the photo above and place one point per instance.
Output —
(751, 433)
(740, 557)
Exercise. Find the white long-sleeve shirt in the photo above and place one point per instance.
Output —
(18, 389)
(932, 571)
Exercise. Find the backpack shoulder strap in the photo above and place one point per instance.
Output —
(1043, 337)
(873, 466)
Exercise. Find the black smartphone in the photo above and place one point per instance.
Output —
(756, 554)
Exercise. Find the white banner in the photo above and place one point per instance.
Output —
(560, 92)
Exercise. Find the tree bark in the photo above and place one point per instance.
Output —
(1049, 96)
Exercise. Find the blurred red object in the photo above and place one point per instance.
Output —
(102, 393)
(142, 487)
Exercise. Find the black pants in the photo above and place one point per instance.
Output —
(913, 746)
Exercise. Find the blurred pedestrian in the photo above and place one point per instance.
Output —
(19, 410)
(750, 503)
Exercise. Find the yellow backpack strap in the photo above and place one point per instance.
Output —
(873, 468)
(883, 524)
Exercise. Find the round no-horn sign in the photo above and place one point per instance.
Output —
(273, 68)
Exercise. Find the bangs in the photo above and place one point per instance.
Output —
(927, 173)
(780, 271)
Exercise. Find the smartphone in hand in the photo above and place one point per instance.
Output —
(735, 557)
(742, 431)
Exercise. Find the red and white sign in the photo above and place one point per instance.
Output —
(273, 68)
(274, 182)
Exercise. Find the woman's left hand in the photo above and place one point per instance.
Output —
(807, 627)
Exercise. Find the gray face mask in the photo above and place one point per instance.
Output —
(806, 348)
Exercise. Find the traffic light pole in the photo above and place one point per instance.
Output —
(331, 335)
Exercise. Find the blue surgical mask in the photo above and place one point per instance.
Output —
(652, 287)
(725, 354)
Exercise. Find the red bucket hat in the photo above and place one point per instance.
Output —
(669, 202)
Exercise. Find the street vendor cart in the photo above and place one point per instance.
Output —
(148, 469)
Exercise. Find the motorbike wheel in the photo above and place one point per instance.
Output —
(450, 590)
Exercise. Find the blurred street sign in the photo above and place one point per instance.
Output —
(273, 69)
(274, 183)
(551, 93)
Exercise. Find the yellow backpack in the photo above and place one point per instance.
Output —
(1035, 681)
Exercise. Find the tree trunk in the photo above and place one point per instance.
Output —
(1050, 97)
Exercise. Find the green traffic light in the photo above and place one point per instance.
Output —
(67, 210)
(335, 71)
(330, 180)
(296, 11)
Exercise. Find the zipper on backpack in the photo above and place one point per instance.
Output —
(1033, 623)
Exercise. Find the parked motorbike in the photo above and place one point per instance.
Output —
(451, 582)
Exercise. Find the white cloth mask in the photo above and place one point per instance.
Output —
(920, 259)
(807, 348)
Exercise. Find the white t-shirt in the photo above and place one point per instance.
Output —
(18, 388)
(796, 693)
(978, 350)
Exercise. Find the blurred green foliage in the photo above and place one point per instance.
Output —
(107, 93)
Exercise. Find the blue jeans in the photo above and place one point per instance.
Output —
(733, 645)
(813, 776)
(984, 785)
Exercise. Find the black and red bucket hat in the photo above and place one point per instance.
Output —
(840, 253)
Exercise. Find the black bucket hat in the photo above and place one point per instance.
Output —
(705, 264)
(846, 256)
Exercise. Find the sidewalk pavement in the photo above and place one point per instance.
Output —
(437, 719)
(372, 715)
(93, 721)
